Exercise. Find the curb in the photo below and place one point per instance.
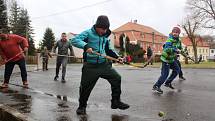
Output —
(10, 114)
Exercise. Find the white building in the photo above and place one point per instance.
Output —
(212, 54)
(77, 51)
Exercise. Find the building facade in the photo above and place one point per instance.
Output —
(77, 51)
(203, 47)
(140, 34)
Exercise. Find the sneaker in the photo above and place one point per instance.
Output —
(4, 85)
(63, 80)
(118, 104)
(56, 78)
(81, 111)
(169, 85)
(25, 84)
(158, 89)
(182, 78)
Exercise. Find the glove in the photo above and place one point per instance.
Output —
(178, 51)
(120, 60)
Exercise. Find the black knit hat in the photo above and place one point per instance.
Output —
(102, 22)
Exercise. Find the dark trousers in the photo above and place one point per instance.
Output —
(9, 69)
(165, 72)
(180, 70)
(151, 61)
(63, 61)
(45, 64)
(91, 73)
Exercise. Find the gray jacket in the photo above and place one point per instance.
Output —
(63, 47)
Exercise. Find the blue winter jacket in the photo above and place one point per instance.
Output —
(100, 44)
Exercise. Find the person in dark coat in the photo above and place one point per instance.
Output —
(45, 54)
(149, 55)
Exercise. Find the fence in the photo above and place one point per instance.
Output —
(32, 59)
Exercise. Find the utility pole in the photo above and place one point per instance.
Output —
(153, 44)
(26, 36)
(124, 44)
(153, 39)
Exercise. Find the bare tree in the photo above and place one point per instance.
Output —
(191, 25)
(205, 9)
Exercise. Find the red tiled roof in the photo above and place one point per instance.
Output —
(137, 27)
(200, 42)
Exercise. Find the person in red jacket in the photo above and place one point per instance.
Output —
(12, 49)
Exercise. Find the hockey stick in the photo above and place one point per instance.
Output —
(105, 56)
(114, 59)
(187, 56)
(62, 55)
(11, 58)
(145, 64)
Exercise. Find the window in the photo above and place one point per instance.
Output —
(212, 51)
(203, 50)
(142, 35)
(199, 50)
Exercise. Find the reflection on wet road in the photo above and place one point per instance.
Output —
(48, 100)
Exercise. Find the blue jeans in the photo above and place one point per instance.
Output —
(165, 72)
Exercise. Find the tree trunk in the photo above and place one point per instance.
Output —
(195, 53)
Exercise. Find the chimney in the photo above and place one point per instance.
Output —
(135, 21)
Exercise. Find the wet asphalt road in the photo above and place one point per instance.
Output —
(48, 100)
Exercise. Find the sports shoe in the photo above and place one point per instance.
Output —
(81, 111)
(4, 85)
(158, 89)
(25, 84)
(182, 78)
(63, 80)
(118, 104)
(56, 78)
(169, 85)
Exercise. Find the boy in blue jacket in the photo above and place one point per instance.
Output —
(95, 66)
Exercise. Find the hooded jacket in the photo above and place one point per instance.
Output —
(100, 44)
(169, 53)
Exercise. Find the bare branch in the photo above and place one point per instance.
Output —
(203, 9)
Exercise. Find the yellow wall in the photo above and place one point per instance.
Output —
(204, 51)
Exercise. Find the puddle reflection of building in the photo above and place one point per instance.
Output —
(116, 117)
(83, 117)
(63, 109)
(63, 101)
(64, 118)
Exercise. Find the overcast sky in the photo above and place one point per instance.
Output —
(78, 15)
